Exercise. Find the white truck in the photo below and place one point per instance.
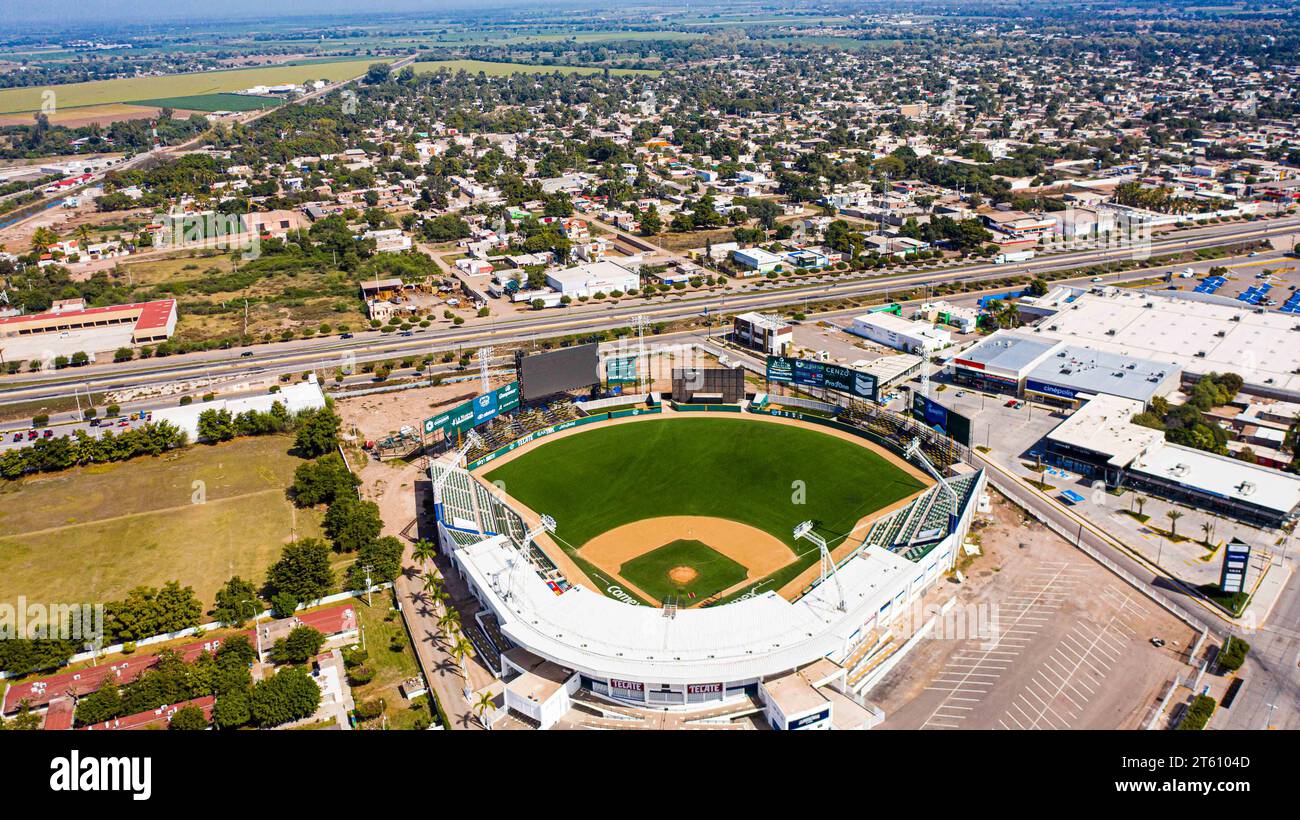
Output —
(1014, 256)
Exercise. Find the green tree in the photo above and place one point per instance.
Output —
(322, 481)
(188, 718)
(318, 433)
(352, 523)
(289, 695)
(236, 602)
(299, 646)
(303, 570)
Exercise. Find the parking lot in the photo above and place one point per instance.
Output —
(1068, 645)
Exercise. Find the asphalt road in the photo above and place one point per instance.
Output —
(372, 345)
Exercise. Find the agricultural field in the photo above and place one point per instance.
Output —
(214, 102)
(118, 526)
(102, 92)
(504, 69)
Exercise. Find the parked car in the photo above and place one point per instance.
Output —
(47, 434)
(18, 436)
(1010, 403)
(31, 435)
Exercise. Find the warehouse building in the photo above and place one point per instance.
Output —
(1056, 372)
(899, 333)
(1198, 335)
(592, 278)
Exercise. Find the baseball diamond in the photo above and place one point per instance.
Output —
(656, 482)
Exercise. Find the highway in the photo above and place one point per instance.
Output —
(332, 352)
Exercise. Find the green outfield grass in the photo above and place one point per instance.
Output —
(714, 572)
(770, 476)
(93, 533)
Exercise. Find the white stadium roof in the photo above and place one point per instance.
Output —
(758, 636)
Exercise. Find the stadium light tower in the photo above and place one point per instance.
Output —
(913, 451)
(484, 360)
(548, 525)
(805, 531)
(471, 441)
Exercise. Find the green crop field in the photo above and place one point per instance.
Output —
(122, 525)
(213, 102)
(502, 69)
(99, 92)
(769, 476)
(714, 571)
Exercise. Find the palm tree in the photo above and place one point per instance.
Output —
(1173, 516)
(1141, 502)
(1206, 529)
(424, 551)
(449, 620)
(461, 650)
(482, 705)
(432, 584)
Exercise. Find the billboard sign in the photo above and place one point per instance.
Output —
(808, 373)
(949, 422)
(474, 412)
(1236, 557)
(1050, 389)
(620, 370)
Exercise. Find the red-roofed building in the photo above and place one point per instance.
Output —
(154, 718)
(44, 692)
(151, 321)
(59, 716)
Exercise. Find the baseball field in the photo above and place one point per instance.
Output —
(699, 510)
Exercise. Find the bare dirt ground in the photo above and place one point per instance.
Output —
(378, 415)
(1064, 644)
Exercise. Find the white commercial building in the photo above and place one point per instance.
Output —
(1199, 336)
(595, 277)
(899, 333)
(294, 397)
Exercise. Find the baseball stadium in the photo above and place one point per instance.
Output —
(704, 558)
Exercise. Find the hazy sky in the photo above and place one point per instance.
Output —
(173, 11)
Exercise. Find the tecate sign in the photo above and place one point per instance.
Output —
(626, 685)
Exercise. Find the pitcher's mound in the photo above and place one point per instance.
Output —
(682, 575)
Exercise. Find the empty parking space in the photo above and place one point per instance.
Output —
(1065, 645)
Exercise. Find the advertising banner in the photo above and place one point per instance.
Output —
(808, 373)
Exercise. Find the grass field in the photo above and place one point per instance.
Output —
(688, 570)
(770, 476)
(93, 533)
(101, 92)
(502, 69)
(213, 102)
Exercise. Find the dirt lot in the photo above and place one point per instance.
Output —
(376, 416)
(1065, 644)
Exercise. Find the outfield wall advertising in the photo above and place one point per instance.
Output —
(474, 412)
(568, 425)
(808, 373)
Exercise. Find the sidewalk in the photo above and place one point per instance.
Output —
(395, 491)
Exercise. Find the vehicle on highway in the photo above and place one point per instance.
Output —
(31, 435)
(124, 423)
(246, 354)
(406, 333)
(345, 336)
(18, 436)
(47, 434)
(1096, 279)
